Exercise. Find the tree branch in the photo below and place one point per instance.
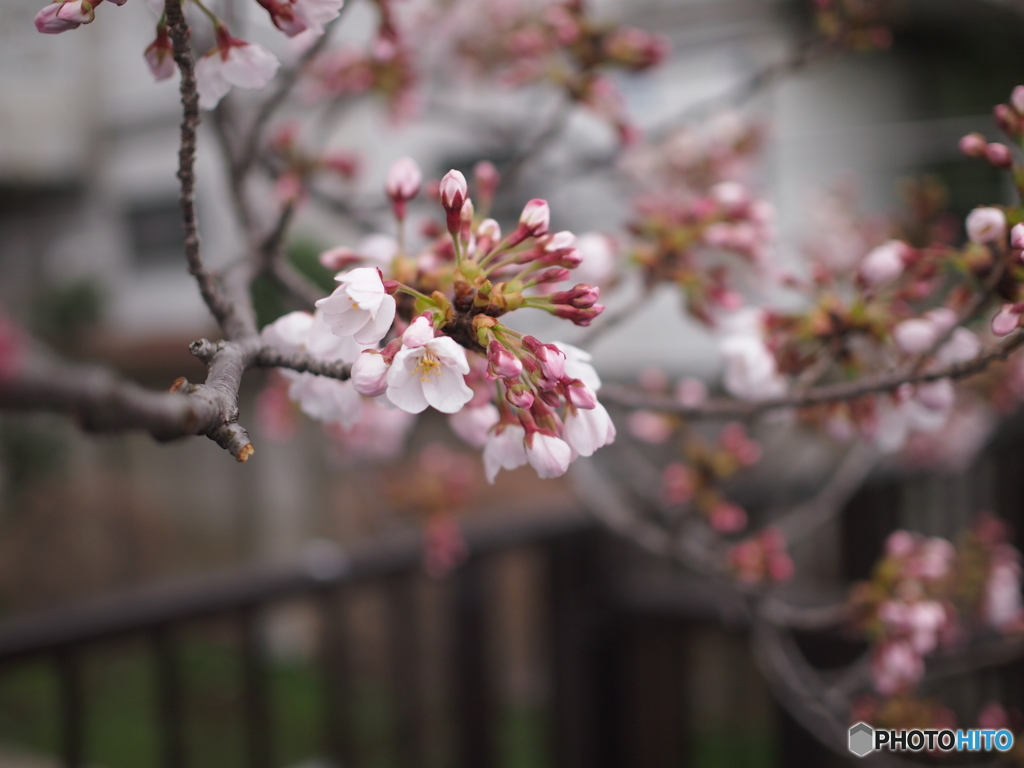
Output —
(830, 393)
(209, 286)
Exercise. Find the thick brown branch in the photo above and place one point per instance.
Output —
(100, 401)
(830, 393)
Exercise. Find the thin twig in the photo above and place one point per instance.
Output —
(209, 286)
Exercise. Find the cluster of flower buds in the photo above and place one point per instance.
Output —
(762, 558)
(565, 46)
(386, 68)
(293, 166)
(925, 594)
(696, 209)
(696, 480)
(439, 315)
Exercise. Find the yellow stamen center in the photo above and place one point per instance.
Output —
(428, 365)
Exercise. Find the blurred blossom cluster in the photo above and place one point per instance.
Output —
(926, 594)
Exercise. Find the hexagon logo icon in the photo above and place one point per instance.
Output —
(862, 739)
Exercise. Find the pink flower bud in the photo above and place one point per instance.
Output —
(502, 363)
(486, 177)
(916, 335)
(973, 145)
(403, 180)
(160, 55)
(370, 374)
(581, 296)
(453, 191)
(550, 357)
(727, 518)
(691, 392)
(986, 225)
(580, 317)
(76, 12)
(999, 155)
(1017, 236)
(337, 259)
(49, 22)
(1007, 121)
(551, 275)
(1006, 320)
(650, 427)
(489, 229)
(520, 396)
(535, 218)
(677, 484)
(884, 264)
(580, 395)
(780, 567)
(1017, 100)
(558, 241)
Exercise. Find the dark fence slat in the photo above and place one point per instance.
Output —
(170, 697)
(335, 658)
(405, 670)
(255, 694)
(72, 708)
(475, 702)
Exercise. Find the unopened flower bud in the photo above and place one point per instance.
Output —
(580, 395)
(727, 518)
(337, 259)
(502, 363)
(916, 335)
(559, 241)
(986, 225)
(1006, 119)
(1017, 236)
(453, 191)
(973, 145)
(489, 229)
(551, 275)
(535, 218)
(403, 183)
(580, 317)
(486, 177)
(1006, 321)
(370, 373)
(520, 396)
(581, 296)
(884, 264)
(160, 55)
(1017, 100)
(999, 155)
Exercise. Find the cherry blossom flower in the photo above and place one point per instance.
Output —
(296, 16)
(233, 62)
(896, 666)
(428, 370)
(359, 306)
(453, 191)
(986, 225)
(548, 455)
(751, 372)
(587, 429)
(1002, 602)
(474, 424)
(321, 398)
(598, 252)
(505, 449)
(577, 365)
